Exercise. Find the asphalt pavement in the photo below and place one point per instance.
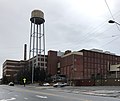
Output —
(105, 91)
(49, 93)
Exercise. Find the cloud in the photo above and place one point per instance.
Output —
(70, 24)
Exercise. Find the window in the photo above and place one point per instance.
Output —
(42, 64)
(101, 61)
(85, 53)
(34, 60)
(89, 59)
(89, 54)
(85, 59)
(42, 59)
(85, 65)
(101, 55)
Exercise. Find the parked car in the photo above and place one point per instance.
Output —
(46, 84)
(11, 84)
(59, 84)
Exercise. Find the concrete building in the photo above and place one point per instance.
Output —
(11, 67)
(36, 64)
(38, 61)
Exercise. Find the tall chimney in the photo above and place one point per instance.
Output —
(25, 51)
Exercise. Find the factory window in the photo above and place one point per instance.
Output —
(110, 57)
(85, 53)
(89, 54)
(101, 55)
(101, 61)
(89, 59)
(42, 64)
(85, 65)
(92, 65)
(116, 58)
(95, 60)
(92, 60)
(42, 59)
(94, 54)
(85, 59)
(89, 65)
(98, 55)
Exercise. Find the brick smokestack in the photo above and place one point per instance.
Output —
(25, 51)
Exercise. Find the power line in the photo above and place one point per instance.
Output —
(94, 31)
(111, 13)
(109, 9)
(115, 24)
(110, 41)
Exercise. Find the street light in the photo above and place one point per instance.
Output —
(112, 21)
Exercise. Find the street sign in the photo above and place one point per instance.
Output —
(24, 80)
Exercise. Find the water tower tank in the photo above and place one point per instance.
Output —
(37, 17)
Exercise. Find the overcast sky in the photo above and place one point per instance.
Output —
(69, 24)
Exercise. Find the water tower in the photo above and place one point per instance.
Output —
(37, 38)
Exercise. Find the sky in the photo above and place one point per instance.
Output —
(69, 25)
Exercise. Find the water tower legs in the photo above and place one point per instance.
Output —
(37, 40)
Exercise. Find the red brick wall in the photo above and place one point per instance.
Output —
(78, 62)
(72, 66)
(91, 65)
(97, 64)
(52, 62)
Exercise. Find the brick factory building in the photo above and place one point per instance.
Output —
(72, 65)
(84, 67)
(53, 62)
(88, 67)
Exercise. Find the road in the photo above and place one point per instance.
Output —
(20, 93)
